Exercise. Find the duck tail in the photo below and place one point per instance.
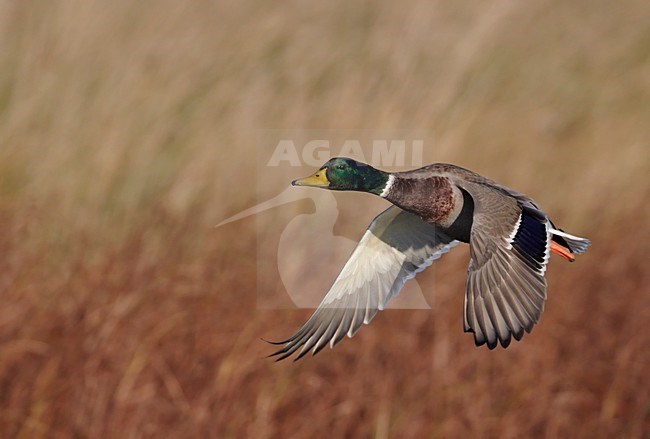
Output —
(575, 244)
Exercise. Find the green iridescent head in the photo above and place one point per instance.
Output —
(345, 174)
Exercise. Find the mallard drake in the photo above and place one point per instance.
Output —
(435, 208)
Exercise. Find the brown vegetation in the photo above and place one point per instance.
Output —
(128, 129)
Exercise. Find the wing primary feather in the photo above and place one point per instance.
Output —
(370, 301)
(357, 321)
(498, 322)
(306, 344)
(504, 300)
(325, 322)
(527, 319)
(291, 347)
(341, 330)
(469, 306)
(509, 317)
(466, 317)
(298, 333)
(325, 338)
(535, 281)
(522, 290)
(528, 294)
(516, 307)
(485, 325)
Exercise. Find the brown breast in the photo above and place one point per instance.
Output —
(431, 198)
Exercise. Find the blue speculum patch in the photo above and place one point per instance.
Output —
(530, 240)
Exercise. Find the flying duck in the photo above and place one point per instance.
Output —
(435, 208)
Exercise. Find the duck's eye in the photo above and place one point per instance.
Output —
(341, 167)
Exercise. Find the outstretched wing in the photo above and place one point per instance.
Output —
(396, 246)
(506, 288)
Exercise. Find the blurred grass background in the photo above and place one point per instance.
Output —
(127, 130)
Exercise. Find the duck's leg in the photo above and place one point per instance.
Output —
(562, 251)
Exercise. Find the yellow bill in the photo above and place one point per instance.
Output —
(317, 179)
